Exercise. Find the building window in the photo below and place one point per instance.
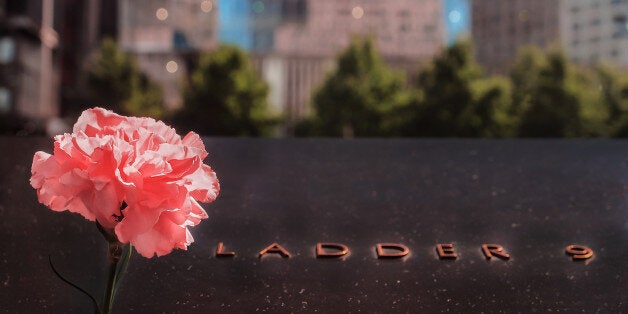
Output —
(7, 50)
(620, 26)
(403, 14)
(5, 100)
(294, 10)
(179, 40)
(263, 40)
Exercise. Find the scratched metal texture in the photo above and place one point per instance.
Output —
(534, 197)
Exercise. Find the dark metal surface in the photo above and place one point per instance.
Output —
(534, 198)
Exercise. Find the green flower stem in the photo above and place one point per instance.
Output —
(115, 253)
(118, 257)
(123, 266)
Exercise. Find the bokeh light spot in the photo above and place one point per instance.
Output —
(455, 16)
(258, 7)
(172, 66)
(207, 6)
(161, 14)
(357, 12)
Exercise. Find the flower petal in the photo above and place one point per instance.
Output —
(110, 160)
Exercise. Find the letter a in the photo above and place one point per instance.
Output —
(274, 248)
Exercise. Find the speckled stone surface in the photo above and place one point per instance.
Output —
(532, 197)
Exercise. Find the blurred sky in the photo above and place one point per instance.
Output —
(235, 23)
(457, 17)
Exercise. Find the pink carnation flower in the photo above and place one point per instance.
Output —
(110, 161)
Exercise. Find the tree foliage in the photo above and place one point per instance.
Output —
(555, 98)
(359, 98)
(545, 95)
(594, 112)
(225, 96)
(114, 81)
(524, 74)
(613, 86)
(494, 113)
(455, 100)
(554, 109)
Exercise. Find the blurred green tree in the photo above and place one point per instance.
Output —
(114, 81)
(552, 105)
(593, 109)
(454, 99)
(146, 98)
(493, 112)
(225, 96)
(360, 98)
(555, 98)
(524, 74)
(545, 95)
(613, 85)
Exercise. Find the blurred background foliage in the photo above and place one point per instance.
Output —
(224, 96)
(320, 68)
(115, 81)
(360, 98)
(543, 95)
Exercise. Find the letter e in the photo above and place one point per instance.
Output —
(446, 251)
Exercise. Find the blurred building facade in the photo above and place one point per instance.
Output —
(43, 47)
(81, 25)
(293, 43)
(299, 40)
(161, 33)
(45, 44)
(27, 72)
(500, 28)
(592, 30)
(402, 28)
(587, 30)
